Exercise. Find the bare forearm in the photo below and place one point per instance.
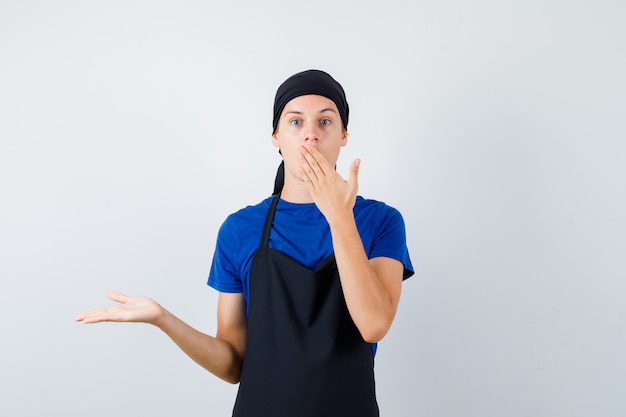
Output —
(216, 355)
(369, 302)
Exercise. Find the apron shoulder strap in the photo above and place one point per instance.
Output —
(269, 219)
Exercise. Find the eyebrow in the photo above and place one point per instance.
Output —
(321, 111)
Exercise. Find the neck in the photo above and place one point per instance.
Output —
(295, 191)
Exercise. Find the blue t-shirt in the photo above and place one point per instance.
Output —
(302, 232)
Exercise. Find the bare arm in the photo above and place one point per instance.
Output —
(221, 355)
(371, 287)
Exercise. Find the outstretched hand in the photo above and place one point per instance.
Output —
(128, 309)
(333, 195)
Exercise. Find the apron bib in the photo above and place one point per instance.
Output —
(304, 355)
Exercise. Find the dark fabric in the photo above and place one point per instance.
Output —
(280, 179)
(304, 355)
(311, 82)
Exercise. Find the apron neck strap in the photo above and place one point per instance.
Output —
(269, 219)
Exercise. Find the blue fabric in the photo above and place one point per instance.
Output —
(301, 231)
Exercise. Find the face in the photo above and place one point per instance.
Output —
(312, 120)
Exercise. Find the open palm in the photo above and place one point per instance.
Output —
(128, 309)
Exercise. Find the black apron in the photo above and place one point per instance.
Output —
(304, 355)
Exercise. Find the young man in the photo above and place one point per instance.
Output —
(309, 278)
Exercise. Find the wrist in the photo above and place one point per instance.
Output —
(342, 221)
(162, 318)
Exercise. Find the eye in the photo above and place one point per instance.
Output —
(296, 122)
(325, 122)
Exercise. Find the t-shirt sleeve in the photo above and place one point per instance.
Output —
(389, 239)
(224, 276)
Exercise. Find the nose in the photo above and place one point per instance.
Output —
(311, 134)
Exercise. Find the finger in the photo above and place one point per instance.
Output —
(309, 168)
(93, 316)
(102, 314)
(315, 157)
(118, 297)
(353, 178)
(354, 172)
(308, 177)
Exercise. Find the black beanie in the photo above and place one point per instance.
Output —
(311, 82)
(307, 82)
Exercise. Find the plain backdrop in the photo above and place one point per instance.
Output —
(130, 129)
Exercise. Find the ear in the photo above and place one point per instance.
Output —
(275, 138)
(344, 137)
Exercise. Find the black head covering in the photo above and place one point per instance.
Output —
(307, 82)
(311, 82)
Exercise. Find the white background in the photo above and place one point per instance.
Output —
(130, 129)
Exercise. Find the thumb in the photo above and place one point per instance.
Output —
(354, 173)
(118, 297)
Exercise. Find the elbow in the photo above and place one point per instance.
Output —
(232, 380)
(232, 377)
(374, 328)
(373, 333)
(228, 371)
(373, 337)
